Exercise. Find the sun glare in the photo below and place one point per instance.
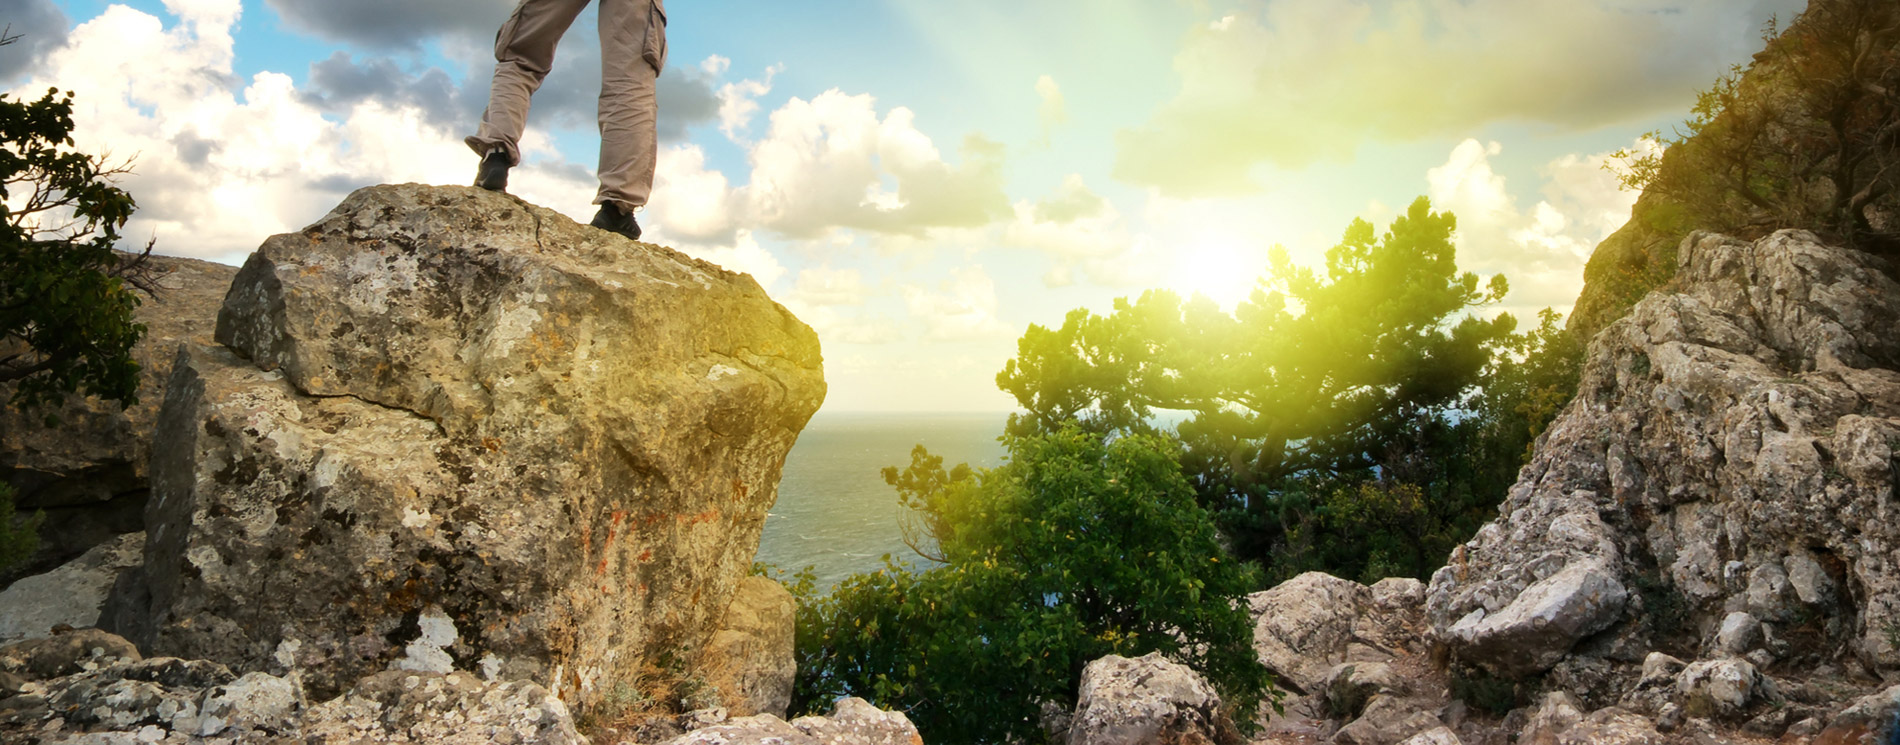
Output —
(1221, 267)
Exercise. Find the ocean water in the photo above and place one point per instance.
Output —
(834, 511)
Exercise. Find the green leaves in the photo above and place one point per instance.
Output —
(66, 312)
(1079, 547)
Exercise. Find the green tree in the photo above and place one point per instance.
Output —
(66, 296)
(1320, 380)
(1080, 546)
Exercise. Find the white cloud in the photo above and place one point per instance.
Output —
(1078, 229)
(827, 286)
(738, 101)
(1542, 250)
(962, 308)
(833, 163)
(1291, 82)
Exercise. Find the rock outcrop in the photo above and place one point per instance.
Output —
(1731, 451)
(447, 431)
(88, 475)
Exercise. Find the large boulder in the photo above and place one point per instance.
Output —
(1731, 448)
(1307, 625)
(451, 431)
(88, 473)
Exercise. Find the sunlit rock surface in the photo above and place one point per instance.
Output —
(449, 430)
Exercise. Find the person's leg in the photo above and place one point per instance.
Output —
(524, 52)
(632, 53)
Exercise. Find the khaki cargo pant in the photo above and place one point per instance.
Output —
(632, 53)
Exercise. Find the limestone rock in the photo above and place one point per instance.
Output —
(70, 595)
(1439, 736)
(88, 474)
(1731, 448)
(452, 709)
(1539, 626)
(1305, 626)
(1719, 688)
(852, 722)
(456, 431)
(1870, 719)
(1739, 633)
(1146, 699)
(1386, 720)
(751, 654)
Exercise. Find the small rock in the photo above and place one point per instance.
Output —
(1808, 727)
(1808, 580)
(1739, 633)
(751, 656)
(1555, 715)
(1437, 736)
(1669, 718)
(1350, 686)
(1387, 719)
(1658, 666)
(1718, 688)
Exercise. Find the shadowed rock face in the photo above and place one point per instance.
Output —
(1731, 450)
(88, 474)
(450, 430)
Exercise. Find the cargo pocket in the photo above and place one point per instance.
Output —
(505, 36)
(656, 37)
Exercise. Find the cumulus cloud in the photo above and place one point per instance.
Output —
(833, 163)
(960, 308)
(380, 23)
(39, 28)
(1541, 250)
(1291, 82)
(738, 101)
(219, 164)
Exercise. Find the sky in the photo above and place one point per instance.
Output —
(921, 180)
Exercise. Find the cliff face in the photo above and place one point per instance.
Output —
(1722, 486)
(445, 429)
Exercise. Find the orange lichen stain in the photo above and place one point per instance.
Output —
(738, 490)
(601, 569)
(493, 444)
(619, 517)
(646, 555)
(703, 517)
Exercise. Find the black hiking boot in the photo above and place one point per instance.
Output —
(493, 173)
(612, 220)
